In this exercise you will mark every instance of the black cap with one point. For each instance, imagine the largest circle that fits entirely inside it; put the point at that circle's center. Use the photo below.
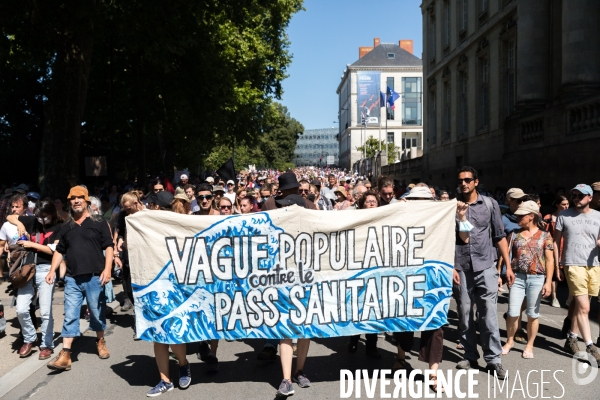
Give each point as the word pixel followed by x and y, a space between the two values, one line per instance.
pixel 162 199
pixel 316 182
pixel 291 200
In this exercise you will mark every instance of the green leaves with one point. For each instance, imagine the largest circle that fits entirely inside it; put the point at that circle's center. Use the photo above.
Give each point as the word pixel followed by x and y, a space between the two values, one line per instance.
pixel 216 64
pixel 372 148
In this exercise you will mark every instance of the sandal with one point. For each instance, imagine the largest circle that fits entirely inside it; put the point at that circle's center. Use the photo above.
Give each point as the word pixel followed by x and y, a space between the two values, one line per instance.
pixel 402 365
pixel 505 352
pixel 527 354
pixel 434 386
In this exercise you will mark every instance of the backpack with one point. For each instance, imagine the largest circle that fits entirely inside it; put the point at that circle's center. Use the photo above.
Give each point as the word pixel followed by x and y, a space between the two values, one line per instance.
pixel 21 269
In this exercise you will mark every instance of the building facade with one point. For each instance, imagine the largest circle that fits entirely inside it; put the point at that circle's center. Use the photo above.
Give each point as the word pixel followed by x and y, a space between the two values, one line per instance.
pixel 360 114
pixel 512 87
pixel 315 145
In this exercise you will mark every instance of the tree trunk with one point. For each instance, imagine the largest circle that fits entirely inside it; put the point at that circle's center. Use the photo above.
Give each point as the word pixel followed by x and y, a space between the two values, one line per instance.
pixel 59 156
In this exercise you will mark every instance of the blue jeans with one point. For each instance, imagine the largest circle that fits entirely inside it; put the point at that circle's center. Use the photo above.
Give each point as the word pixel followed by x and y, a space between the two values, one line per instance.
pixel 76 288
pixel 25 296
pixel 529 286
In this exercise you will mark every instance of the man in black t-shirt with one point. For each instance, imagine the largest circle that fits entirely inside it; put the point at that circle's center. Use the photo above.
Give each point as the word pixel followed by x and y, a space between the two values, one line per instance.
pixel 83 238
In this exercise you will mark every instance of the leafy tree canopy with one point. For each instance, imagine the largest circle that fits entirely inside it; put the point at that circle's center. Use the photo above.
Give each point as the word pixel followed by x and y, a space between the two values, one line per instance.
pixel 183 77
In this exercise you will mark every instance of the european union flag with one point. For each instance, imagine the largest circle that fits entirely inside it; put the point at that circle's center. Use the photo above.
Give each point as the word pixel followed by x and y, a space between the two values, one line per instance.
pixel 392 97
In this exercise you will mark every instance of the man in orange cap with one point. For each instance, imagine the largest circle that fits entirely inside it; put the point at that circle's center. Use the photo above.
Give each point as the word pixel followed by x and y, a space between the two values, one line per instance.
pixel 86 242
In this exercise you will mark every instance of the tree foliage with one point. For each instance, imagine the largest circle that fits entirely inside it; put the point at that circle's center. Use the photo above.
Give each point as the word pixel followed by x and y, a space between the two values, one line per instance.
pixel 372 149
pixel 183 77
pixel 274 148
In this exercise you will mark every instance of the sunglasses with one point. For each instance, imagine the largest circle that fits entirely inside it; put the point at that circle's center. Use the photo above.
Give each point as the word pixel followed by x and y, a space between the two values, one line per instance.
pixel 303 190
pixel 466 180
pixel 206 197
pixel 517 200
pixel 577 195
pixel 225 207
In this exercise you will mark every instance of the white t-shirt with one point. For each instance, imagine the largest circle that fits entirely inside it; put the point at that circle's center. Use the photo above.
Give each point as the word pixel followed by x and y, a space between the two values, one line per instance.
pixel 230 196
pixel 9 233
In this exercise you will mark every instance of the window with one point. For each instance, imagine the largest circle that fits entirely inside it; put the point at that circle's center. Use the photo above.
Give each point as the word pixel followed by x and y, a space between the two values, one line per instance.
pixel 483 10
pixel 447 119
pixel 391 56
pixel 409 142
pixel 462 13
pixel 510 76
pixel 432 118
pixel 390 137
pixel 446 28
pixel 484 94
pixel 431 38
pixel 411 101
pixel 463 121
pixel 390 112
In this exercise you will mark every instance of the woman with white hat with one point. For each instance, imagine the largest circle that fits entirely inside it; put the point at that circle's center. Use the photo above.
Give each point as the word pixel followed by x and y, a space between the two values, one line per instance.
pixel 533 264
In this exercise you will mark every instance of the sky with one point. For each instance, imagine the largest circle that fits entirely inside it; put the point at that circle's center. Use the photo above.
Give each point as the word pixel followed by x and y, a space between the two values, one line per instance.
pixel 326 36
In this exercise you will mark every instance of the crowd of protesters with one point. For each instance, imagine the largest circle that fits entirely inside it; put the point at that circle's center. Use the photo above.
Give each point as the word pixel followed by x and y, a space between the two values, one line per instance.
pixel 527 241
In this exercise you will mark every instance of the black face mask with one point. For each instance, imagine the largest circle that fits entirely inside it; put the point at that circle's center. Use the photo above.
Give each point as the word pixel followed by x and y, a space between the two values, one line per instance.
pixel 311 197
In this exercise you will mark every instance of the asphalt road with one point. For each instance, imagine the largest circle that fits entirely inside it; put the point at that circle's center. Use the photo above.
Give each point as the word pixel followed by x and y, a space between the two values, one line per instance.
pixel 131 370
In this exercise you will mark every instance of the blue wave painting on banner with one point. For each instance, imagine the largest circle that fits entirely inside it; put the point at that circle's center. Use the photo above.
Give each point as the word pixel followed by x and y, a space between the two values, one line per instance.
pixel 251 276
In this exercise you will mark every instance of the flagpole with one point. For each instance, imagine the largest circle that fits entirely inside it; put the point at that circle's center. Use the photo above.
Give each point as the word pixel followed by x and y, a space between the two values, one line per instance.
pixel 379 90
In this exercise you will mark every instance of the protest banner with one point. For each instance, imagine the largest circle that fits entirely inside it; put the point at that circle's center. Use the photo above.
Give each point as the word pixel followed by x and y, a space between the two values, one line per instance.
pixel 291 272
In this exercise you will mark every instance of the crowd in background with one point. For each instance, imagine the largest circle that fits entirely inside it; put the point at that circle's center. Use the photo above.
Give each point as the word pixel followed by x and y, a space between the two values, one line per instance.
pixel 523 240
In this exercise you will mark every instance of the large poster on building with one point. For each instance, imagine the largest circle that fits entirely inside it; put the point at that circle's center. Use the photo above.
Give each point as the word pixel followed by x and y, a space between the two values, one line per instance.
pixel 368 94
pixel 291 272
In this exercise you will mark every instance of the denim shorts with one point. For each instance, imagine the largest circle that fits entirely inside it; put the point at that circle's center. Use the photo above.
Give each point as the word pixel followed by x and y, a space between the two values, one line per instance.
pixel 526 285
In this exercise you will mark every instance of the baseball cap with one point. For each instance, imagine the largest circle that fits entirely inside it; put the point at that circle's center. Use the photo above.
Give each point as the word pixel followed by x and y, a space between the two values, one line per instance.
pixel 34 195
pixel 183 176
pixel 210 179
pixel 583 188
pixel 316 182
pixel 230 182
pixel 218 188
pixel 515 193
pixel 527 207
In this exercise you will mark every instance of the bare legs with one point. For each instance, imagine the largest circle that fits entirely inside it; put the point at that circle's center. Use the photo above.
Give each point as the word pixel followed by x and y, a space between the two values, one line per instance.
pixel 287 353
pixel 161 354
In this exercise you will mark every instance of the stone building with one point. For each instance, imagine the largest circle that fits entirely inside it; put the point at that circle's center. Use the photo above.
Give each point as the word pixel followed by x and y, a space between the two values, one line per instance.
pixel 378 67
pixel 513 89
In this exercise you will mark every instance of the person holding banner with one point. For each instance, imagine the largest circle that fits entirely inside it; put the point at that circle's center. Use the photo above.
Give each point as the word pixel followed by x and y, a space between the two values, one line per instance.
pixel 369 199
pixel 161 350
pixel 431 346
pixel 286 346
pixel 475 273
